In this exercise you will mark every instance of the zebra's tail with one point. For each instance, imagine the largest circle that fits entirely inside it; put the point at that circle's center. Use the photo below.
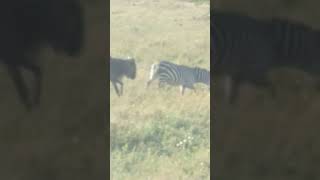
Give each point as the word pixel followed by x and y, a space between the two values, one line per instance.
pixel 153 73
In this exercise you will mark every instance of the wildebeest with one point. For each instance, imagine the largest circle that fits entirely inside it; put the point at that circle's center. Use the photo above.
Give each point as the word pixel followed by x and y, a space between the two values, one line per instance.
pixel 245 49
pixel 29 25
pixel 174 74
pixel 120 68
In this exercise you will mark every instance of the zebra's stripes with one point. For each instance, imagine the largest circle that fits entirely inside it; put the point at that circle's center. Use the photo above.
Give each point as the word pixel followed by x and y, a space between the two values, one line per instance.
pixel 246 49
pixel 120 68
pixel 243 51
pixel 174 74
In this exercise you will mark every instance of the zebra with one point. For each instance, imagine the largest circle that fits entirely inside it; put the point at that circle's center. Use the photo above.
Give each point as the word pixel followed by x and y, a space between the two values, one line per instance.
pixel 173 74
pixel 120 68
pixel 246 49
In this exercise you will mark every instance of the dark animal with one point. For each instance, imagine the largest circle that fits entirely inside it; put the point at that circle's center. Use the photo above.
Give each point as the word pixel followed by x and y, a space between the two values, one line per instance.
pixel 174 74
pixel 245 49
pixel 120 68
pixel 29 25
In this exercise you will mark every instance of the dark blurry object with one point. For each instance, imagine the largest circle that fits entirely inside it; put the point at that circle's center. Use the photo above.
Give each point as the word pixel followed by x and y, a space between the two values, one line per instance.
pixel 65 137
pixel 29 25
pixel 264 140
pixel 242 51
pixel 246 49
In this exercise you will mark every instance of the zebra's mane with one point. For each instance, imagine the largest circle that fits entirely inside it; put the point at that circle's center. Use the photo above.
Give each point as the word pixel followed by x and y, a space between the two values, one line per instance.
pixel 292 38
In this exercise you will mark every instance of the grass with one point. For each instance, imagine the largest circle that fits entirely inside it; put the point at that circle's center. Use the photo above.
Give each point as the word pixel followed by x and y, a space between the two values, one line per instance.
pixel 200 1
pixel 156 133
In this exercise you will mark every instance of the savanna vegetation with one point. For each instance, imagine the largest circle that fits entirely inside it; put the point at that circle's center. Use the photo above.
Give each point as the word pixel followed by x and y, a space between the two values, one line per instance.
pixel 156 133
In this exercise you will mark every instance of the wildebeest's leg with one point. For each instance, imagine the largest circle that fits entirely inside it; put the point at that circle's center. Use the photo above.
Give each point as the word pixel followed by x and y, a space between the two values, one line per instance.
pixel 161 84
pixel 116 88
pixel 227 88
pixel 121 87
pixel 20 85
pixel 38 80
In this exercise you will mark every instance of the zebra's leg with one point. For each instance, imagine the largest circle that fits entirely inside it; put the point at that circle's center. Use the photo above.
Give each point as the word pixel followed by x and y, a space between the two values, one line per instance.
pixel 269 86
pixel 151 79
pixel 116 88
pixel 192 88
pixel 317 85
pixel 161 84
pixel 182 88
pixel 149 82
pixel 272 90
pixel 20 85
pixel 38 80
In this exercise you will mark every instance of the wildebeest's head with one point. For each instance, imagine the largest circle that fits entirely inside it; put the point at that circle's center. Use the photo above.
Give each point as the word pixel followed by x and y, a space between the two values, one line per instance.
pixel 132 68
pixel 65 26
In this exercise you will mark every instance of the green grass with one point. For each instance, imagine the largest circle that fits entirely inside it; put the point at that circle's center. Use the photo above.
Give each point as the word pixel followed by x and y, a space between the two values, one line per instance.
pixel 156 133
pixel 200 1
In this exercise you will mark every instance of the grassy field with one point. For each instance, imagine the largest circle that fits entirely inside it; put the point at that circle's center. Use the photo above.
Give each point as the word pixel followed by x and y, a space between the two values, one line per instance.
pixel 156 133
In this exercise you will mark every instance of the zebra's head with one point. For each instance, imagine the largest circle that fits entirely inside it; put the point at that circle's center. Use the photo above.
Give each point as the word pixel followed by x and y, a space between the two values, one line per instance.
pixel 132 68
